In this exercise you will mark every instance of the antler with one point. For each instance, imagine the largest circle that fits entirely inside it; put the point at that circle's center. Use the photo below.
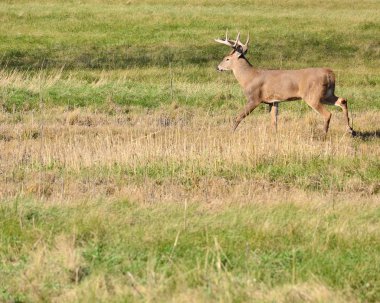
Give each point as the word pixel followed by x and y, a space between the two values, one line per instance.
pixel 237 45
pixel 226 41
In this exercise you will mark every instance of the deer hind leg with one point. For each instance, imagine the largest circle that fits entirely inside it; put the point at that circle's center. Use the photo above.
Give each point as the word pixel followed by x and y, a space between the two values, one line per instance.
pixel 248 108
pixel 342 103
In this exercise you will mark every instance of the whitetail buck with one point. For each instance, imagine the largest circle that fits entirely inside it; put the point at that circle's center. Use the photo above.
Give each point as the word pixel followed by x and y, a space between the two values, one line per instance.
pixel 314 85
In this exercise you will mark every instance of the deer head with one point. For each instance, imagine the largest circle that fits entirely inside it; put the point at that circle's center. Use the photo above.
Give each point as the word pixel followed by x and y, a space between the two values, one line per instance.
pixel 238 50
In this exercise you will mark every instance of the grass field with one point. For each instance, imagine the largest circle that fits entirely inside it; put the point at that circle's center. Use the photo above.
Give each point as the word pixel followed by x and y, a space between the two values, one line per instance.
pixel 120 178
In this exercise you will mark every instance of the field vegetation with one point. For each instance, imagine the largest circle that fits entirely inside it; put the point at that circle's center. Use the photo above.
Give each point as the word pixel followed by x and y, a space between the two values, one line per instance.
pixel 120 178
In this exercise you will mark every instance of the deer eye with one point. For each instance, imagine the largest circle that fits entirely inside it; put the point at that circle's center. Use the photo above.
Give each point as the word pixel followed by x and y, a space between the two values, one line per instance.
pixel 228 59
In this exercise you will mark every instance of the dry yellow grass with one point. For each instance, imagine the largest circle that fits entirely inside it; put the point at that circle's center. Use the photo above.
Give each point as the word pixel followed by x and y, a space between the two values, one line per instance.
pixel 175 153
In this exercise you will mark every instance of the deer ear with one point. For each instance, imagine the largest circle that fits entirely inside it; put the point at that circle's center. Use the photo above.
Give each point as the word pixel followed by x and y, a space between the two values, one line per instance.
pixel 239 54
pixel 240 51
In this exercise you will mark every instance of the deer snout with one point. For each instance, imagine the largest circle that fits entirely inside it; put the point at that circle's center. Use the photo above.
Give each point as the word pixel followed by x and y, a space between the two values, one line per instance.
pixel 219 69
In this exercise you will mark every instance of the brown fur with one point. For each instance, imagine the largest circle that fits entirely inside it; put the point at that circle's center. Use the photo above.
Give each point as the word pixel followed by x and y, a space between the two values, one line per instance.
pixel 313 85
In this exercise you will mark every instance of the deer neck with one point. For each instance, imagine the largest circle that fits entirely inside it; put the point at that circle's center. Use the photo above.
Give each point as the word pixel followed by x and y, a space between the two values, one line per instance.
pixel 243 71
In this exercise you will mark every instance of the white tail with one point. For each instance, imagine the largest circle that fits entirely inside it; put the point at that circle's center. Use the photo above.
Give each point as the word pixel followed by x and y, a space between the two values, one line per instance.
pixel 313 85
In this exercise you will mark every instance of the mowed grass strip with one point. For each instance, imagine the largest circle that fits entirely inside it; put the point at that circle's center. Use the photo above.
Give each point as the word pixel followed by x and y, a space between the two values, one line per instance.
pixel 154 87
pixel 177 251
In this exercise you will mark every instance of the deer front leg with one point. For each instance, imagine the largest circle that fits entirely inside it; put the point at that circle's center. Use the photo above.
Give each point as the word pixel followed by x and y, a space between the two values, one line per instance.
pixel 274 114
pixel 248 108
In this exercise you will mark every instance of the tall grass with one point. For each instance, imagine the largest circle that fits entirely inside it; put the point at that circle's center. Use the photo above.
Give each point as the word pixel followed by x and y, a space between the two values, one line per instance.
pixel 184 147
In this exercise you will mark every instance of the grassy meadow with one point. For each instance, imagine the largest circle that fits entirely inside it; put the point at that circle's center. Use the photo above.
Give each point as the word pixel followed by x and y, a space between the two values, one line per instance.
pixel 120 178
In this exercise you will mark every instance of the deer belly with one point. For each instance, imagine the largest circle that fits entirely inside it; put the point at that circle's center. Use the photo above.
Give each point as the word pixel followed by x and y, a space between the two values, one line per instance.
pixel 270 101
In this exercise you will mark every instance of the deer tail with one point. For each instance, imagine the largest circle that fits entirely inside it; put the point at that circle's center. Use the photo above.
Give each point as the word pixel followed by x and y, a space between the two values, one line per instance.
pixel 331 81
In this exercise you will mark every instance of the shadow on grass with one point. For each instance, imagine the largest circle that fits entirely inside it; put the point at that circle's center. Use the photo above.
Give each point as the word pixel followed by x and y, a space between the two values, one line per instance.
pixel 109 57
pixel 367 135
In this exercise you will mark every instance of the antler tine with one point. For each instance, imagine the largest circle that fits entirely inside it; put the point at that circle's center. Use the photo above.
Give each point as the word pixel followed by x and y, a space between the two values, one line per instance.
pixel 246 43
pixel 226 41
pixel 237 42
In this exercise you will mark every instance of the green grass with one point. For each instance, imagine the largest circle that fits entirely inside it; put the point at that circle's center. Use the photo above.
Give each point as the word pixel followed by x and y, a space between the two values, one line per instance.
pixel 272 245
pixel 316 174
pixel 118 35
pixel 115 35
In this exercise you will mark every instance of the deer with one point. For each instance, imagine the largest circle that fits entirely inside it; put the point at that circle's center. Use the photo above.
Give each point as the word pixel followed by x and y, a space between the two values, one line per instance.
pixel 315 86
